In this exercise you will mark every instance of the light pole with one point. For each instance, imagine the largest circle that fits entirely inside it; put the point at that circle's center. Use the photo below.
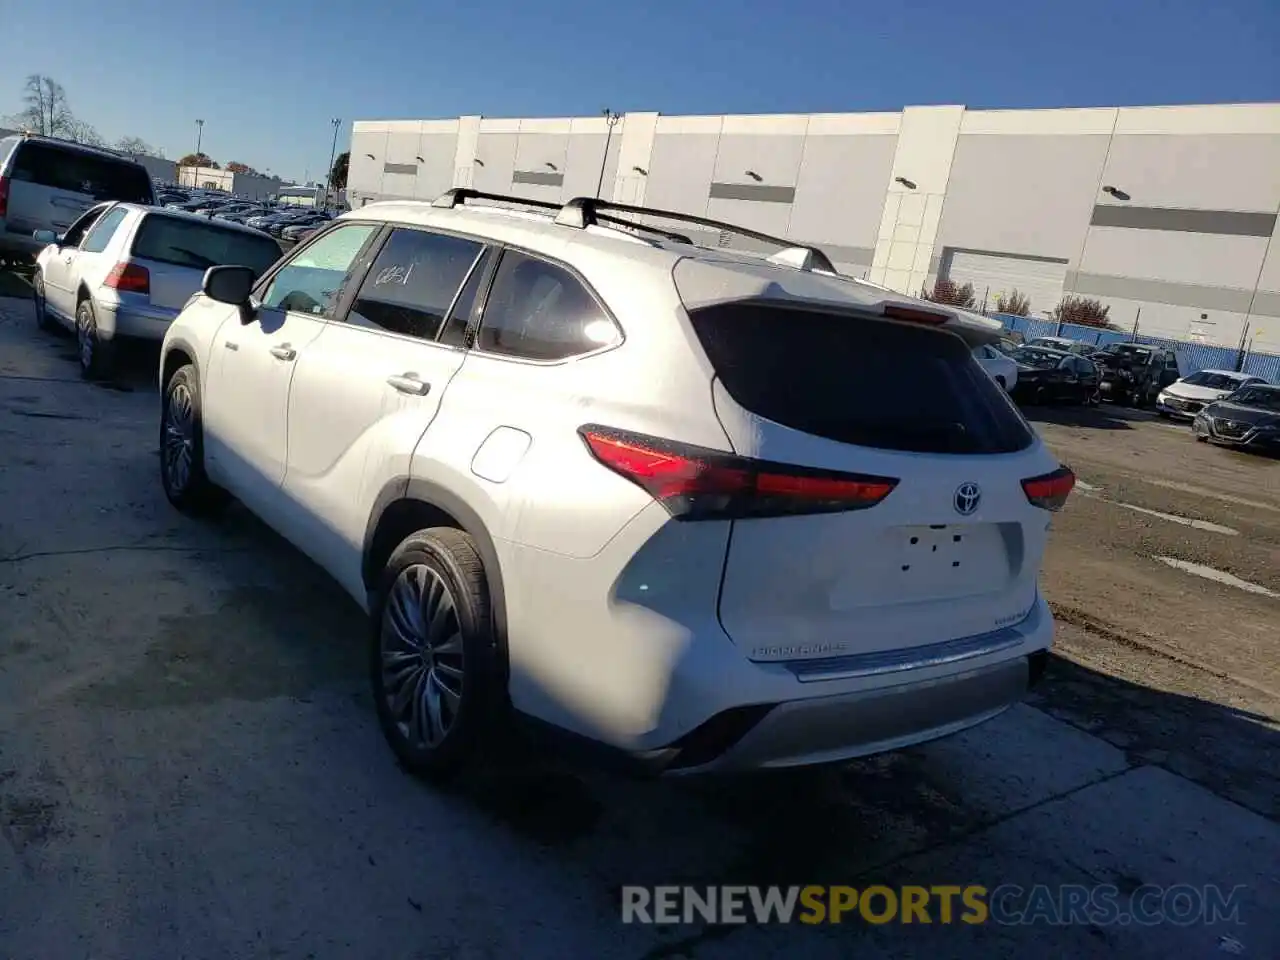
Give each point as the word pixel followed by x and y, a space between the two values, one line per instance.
pixel 199 135
pixel 333 153
pixel 611 119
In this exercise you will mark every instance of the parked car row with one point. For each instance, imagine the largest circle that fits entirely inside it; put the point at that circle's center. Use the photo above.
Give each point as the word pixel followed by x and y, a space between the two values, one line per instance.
pixel 1224 406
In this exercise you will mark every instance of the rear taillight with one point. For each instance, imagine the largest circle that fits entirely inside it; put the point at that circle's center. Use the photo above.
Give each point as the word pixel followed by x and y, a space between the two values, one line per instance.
pixel 129 278
pixel 896 311
pixel 694 483
pixel 4 196
pixel 1050 491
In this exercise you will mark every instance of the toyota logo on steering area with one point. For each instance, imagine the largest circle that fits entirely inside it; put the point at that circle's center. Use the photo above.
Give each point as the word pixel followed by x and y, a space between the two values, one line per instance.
pixel 967 498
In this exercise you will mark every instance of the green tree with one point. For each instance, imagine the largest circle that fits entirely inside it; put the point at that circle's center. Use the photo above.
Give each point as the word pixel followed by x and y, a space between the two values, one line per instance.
pixel 338 176
pixel 200 159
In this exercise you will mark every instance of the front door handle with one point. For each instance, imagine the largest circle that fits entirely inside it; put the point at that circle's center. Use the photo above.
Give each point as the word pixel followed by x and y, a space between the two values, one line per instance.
pixel 410 383
pixel 283 351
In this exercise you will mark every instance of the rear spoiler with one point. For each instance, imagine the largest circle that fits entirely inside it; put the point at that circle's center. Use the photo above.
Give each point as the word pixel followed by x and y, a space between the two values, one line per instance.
pixel 705 283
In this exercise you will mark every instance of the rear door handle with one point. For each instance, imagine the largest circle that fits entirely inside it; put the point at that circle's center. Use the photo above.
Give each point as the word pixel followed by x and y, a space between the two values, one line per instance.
pixel 410 383
pixel 283 352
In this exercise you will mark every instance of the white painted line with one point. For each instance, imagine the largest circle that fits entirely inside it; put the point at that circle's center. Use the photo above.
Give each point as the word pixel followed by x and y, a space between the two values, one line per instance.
pixel 1220 576
pixel 1174 518
pixel 1087 487
pixel 1212 494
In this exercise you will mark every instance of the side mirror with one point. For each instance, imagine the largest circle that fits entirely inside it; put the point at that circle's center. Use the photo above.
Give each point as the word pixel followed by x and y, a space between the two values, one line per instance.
pixel 47 236
pixel 228 284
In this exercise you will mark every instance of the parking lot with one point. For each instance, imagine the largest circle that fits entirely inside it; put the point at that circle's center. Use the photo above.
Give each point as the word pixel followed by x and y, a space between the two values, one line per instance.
pixel 189 763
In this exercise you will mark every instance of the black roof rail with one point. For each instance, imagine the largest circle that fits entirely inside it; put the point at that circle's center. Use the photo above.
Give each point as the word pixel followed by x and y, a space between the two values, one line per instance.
pixel 460 195
pixel 582 212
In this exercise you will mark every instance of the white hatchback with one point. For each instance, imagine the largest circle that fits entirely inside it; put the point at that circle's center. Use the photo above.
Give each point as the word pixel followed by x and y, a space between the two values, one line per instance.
pixel 710 509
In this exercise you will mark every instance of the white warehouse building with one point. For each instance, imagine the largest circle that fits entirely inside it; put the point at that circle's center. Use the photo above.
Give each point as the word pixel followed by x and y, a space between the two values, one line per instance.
pixel 1168 210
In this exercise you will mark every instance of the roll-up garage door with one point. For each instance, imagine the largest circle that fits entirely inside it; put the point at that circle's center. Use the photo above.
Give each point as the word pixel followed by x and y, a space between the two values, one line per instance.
pixel 992 273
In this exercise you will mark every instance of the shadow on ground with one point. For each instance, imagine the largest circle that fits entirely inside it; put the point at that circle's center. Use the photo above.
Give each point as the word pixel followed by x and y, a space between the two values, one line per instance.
pixel 1104 416
pixel 818 825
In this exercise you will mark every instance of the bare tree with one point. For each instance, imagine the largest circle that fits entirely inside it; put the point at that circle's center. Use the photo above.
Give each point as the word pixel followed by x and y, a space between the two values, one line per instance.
pixel 81 132
pixel 135 146
pixel 45 111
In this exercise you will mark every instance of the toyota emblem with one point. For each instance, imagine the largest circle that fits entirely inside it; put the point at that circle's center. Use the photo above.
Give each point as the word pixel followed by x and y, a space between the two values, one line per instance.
pixel 967 498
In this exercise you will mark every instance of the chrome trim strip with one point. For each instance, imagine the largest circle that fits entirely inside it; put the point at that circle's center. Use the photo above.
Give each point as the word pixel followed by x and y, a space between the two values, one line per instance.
pixel 914 658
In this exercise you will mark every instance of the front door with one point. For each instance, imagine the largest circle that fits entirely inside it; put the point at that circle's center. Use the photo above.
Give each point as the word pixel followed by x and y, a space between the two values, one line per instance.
pixel 58 266
pixel 252 364
pixel 368 388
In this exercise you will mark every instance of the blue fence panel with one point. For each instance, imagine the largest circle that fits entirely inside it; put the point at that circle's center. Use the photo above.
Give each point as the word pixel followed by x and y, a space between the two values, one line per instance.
pixel 1192 357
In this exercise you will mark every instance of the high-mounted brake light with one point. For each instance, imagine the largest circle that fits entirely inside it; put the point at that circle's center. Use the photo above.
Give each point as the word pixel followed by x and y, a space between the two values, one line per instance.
pixel 129 278
pixel 896 311
pixel 694 483
pixel 1051 490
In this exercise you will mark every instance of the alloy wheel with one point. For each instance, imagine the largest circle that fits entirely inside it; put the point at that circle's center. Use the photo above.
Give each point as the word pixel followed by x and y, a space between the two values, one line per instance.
pixel 85 343
pixel 422 656
pixel 178 445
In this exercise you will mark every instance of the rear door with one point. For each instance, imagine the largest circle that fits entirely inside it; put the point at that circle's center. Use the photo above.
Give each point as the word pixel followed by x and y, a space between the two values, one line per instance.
pixel 178 250
pixel 51 185
pixel 953 551
pixel 367 389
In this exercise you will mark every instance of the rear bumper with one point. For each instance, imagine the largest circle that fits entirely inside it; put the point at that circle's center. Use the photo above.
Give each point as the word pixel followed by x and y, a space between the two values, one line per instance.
pixel 638 666
pixel 142 321
pixel 845 726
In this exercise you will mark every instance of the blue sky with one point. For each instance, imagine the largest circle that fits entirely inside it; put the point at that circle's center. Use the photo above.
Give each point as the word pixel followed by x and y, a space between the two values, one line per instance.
pixel 266 76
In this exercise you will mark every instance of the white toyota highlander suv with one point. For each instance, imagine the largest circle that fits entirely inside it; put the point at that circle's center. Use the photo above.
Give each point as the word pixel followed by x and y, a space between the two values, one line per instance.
pixel 714 510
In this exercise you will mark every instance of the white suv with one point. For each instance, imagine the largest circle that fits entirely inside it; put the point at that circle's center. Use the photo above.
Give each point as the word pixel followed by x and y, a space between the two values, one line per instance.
pixel 714 510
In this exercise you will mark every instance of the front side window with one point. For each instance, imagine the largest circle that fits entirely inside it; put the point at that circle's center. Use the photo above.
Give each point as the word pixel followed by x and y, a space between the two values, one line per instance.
pixel 539 311
pixel 413 282
pixel 312 281
pixel 101 233
pixel 75 233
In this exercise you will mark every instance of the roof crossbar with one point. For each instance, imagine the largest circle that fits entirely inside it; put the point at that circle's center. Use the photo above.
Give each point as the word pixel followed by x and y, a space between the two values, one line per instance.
pixel 460 195
pixel 582 212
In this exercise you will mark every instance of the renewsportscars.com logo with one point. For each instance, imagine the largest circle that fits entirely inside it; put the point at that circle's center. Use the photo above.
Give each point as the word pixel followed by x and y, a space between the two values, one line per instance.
pixel 1064 904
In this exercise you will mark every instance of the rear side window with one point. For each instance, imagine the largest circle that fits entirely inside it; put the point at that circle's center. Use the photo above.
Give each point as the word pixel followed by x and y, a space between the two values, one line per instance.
pixel 101 233
pixel 200 245
pixel 539 311
pixel 413 282
pixel 875 383
pixel 76 171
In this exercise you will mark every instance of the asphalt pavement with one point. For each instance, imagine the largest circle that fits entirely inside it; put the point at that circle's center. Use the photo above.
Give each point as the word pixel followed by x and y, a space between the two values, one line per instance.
pixel 190 764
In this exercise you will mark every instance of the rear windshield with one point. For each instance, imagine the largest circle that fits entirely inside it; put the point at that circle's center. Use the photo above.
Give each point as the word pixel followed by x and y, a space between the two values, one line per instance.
pixel 875 383
pixel 76 171
pixel 202 244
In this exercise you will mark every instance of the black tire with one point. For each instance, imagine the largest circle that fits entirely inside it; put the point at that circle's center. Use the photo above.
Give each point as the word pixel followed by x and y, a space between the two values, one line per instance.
pixel 97 356
pixel 1163 414
pixel 39 302
pixel 193 492
pixel 1000 381
pixel 450 557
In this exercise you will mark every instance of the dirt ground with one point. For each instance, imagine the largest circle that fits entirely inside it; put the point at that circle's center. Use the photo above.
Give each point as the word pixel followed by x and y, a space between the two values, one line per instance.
pixel 190 767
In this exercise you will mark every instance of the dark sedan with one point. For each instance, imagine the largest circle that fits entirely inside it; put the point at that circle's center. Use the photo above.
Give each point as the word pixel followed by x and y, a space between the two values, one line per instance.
pixel 1248 418
pixel 1054 376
